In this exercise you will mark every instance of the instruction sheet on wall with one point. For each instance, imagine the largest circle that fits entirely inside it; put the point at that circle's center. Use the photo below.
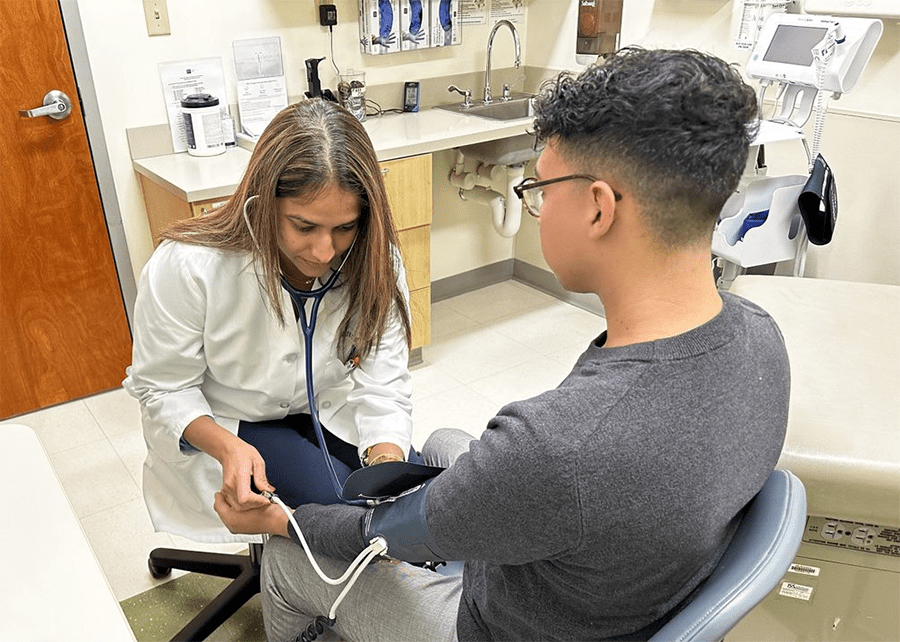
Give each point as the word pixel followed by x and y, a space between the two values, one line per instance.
pixel 261 88
pixel 183 78
pixel 748 17
pixel 512 10
pixel 473 12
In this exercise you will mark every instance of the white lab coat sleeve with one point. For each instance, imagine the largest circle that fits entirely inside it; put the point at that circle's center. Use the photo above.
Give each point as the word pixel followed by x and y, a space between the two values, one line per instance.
pixel 382 385
pixel 168 359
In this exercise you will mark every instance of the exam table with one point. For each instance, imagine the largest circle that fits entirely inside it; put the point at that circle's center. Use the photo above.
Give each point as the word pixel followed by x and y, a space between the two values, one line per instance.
pixel 843 442
pixel 53 586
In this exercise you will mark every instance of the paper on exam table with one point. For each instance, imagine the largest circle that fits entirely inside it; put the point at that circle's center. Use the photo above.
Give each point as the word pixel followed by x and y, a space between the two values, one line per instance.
pixel 843 431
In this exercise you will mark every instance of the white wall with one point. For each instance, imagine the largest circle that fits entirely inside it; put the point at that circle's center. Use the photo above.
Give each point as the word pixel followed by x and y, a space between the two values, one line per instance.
pixel 861 139
pixel 124 63
pixel 862 149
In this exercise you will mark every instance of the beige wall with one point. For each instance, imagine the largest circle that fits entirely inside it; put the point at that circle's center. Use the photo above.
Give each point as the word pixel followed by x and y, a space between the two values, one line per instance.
pixel 862 147
pixel 861 138
pixel 124 63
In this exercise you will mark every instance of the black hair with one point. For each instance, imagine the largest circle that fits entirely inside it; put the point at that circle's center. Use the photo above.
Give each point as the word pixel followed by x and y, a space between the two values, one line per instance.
pixel 672 126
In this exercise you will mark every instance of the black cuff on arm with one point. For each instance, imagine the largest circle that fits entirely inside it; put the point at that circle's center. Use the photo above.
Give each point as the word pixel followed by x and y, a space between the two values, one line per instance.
pixel 334 531
pixel 402 523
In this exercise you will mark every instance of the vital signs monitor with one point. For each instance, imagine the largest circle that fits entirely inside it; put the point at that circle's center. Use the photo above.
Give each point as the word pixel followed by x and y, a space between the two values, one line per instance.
pixel 823 52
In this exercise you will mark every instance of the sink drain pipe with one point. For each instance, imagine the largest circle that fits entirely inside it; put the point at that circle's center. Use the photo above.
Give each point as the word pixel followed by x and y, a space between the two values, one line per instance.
pixel 492 186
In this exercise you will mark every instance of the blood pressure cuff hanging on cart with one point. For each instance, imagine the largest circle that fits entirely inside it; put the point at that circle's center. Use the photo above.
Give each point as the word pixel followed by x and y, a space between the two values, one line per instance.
pixel 401 521
pixel 818 203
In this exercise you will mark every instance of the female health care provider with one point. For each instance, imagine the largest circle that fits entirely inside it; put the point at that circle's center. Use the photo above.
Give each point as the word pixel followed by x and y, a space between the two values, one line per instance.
pixel 219 361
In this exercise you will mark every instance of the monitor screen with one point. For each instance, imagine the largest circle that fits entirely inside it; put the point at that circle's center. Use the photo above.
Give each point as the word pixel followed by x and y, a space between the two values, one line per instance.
pixel 792 44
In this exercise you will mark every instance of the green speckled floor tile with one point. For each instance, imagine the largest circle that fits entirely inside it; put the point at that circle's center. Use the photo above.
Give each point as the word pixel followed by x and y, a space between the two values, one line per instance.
pixel 159 613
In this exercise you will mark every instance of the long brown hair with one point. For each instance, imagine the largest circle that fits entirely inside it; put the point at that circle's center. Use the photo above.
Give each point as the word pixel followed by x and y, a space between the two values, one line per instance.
pixel 306 148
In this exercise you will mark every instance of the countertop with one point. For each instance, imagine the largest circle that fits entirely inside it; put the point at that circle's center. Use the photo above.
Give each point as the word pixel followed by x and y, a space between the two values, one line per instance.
pixel 194 178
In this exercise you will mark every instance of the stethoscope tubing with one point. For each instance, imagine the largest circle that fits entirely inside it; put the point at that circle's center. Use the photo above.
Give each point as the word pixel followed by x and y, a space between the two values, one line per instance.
pixel 308 328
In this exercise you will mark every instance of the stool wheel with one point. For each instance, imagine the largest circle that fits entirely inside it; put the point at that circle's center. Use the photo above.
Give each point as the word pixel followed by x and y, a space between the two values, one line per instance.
pixel 158 572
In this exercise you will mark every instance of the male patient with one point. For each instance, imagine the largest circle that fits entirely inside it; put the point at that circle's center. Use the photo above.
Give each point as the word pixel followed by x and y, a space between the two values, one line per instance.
pixel 594 510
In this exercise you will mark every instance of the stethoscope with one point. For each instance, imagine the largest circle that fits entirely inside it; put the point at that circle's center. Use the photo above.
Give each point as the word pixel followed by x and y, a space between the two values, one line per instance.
pixel 308 328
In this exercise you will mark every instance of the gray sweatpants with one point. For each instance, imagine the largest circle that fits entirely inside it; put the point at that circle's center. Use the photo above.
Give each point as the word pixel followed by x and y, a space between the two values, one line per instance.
pixel 390 601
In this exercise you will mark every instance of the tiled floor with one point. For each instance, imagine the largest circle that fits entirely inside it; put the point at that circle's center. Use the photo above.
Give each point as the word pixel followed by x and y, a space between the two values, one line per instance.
pixel 489 347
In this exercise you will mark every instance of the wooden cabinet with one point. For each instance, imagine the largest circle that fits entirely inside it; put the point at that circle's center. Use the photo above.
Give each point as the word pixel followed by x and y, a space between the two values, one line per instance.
pixel 408 184
pixel 164 208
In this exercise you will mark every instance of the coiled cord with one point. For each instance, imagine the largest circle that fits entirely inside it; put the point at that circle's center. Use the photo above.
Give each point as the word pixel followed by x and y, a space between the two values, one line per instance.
pixel 822 53
pixel 378 546
pixel 313 630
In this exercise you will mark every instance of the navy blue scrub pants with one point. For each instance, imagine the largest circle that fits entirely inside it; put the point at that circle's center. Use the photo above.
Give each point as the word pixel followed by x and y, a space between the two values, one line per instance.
pixel 294 462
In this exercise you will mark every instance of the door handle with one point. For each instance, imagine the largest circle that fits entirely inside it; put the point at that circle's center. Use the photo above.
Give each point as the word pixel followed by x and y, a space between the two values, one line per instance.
pixel 56 105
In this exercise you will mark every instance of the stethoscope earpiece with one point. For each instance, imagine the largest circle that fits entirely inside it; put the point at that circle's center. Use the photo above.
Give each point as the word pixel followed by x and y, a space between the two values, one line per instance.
pixel 249 200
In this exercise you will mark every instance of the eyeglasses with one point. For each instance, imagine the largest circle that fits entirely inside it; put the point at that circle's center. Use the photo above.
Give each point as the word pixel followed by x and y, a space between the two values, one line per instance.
pixel 531 191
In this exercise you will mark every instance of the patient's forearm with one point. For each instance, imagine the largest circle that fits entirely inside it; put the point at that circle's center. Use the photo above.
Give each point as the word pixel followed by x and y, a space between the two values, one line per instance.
pixel 334 531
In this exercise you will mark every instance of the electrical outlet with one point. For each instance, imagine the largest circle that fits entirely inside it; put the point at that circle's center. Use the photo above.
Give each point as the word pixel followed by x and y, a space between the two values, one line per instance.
pixel 157 16
pixel 842 533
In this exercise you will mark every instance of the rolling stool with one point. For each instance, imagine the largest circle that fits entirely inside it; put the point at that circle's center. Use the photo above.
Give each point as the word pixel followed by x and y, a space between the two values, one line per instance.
pixel 243 569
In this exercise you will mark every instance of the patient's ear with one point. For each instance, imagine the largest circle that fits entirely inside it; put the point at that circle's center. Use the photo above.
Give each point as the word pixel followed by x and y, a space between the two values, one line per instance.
pixel 605 203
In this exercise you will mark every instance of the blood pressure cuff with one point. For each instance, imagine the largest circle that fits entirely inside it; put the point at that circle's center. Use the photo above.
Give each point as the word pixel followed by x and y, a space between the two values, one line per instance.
pixel 818 203
pixel 401 521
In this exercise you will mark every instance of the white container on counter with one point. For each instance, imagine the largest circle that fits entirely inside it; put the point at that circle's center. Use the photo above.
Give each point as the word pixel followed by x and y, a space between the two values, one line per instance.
pixel 203 125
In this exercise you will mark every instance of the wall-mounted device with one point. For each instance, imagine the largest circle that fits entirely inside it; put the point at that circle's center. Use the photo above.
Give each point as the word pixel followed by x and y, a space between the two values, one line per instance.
pixel 786 50
pixel 864 8
pixel 411 96
pixel 599 24
pixel 327 15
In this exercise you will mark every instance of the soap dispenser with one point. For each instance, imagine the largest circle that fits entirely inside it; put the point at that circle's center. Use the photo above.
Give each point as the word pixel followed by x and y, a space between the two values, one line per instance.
pixel 599 24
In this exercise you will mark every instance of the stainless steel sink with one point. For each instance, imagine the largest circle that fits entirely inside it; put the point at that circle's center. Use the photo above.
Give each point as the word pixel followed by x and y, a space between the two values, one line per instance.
pixel 518 106
pixel 504 151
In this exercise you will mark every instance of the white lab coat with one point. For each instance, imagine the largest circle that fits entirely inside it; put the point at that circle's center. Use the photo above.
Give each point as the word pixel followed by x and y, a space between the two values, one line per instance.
pixel 207 343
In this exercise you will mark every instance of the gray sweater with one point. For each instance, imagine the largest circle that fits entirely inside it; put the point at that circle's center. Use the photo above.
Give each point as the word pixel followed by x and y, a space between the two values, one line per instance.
pixel 595 509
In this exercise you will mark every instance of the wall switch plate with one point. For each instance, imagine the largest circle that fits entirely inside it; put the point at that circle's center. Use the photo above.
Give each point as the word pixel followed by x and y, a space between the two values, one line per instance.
pixel 157 16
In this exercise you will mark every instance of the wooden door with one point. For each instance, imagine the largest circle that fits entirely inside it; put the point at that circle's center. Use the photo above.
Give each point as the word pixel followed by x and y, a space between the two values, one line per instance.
pixel 63 329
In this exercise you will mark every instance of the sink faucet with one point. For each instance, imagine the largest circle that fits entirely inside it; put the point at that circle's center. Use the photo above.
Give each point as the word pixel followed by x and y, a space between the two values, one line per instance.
pixel 465 93
pixel 488 98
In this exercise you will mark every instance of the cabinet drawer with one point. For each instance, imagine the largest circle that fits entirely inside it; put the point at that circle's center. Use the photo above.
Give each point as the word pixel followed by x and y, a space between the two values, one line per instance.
pixel 408 184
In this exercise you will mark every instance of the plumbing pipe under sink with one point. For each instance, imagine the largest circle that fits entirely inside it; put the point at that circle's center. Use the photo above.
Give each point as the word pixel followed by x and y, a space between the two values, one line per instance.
pixel 492 186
